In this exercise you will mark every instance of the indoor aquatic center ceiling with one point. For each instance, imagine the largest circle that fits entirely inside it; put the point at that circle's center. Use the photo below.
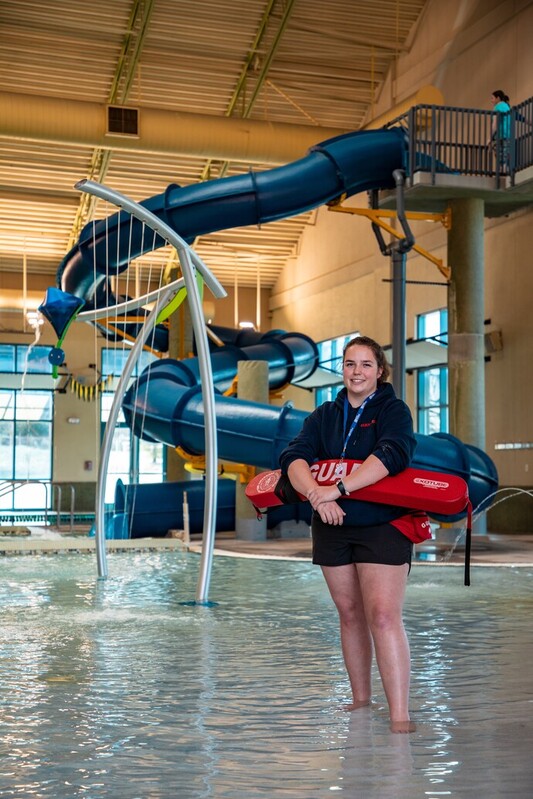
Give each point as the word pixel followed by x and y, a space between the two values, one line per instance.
pixel 315 64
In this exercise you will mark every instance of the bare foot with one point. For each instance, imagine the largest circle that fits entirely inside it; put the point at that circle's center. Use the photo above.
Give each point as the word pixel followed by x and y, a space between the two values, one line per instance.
pixel 356 705
pixel 402 726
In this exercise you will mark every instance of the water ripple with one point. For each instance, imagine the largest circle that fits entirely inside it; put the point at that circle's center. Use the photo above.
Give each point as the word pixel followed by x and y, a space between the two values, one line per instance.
pixel 119 690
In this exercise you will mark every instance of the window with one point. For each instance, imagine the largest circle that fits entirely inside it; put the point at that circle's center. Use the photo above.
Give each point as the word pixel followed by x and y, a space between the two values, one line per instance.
pixel 433 400
pixel 120 456
pixel 23 358
pixel 330 358
pixel 33 359
pixel 131 459
pixel 114 360
pixel 432 383
pixel 433 325
pixel 26 447
pixel 7 358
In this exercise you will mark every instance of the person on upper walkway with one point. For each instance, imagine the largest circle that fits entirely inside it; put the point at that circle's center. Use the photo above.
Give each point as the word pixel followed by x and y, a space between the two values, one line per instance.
pixel 501 127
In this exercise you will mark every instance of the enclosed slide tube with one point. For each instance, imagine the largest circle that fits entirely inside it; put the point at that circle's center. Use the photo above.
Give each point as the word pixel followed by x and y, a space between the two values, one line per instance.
pixel 338 167
pixel 151 509
pixel 161 407
pixel 291 358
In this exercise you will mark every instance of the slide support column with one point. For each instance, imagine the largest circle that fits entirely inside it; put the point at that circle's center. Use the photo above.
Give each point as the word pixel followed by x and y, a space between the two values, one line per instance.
pixel 253 387
pixel 466 302
pixel 466 343
pixel 399 259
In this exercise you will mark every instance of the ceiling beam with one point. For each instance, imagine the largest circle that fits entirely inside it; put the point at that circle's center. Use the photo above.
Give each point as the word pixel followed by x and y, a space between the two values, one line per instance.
pixel 37 195
pixel 73 122
pixel 124 74
pixel 78 123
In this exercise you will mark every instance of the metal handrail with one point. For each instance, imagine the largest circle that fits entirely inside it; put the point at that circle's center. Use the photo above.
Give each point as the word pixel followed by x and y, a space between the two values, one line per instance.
pixel 10 486
pixel 450 139
pixel 57 491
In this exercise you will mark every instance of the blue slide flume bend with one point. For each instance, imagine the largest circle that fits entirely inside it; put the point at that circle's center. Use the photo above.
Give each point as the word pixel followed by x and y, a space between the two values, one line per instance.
pixel 166 403
pixel 339 167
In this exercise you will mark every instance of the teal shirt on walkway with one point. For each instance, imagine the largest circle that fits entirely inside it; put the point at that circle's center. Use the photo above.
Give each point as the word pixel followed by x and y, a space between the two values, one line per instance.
pixel 503 110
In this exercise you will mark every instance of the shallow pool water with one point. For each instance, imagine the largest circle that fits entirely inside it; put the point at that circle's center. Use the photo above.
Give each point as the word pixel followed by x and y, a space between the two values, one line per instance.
pixel 116 689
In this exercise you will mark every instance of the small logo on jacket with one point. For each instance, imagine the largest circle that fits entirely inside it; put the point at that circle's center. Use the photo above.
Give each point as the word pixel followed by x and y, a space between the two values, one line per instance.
pixel 368 424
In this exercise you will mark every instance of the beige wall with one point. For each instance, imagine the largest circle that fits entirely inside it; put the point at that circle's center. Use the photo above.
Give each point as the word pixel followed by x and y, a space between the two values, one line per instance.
pixel 74 444
pixel 224 310
pixel 335 284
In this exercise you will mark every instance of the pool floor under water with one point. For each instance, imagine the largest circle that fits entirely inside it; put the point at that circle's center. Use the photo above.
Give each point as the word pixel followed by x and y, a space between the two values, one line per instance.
pixel 116 689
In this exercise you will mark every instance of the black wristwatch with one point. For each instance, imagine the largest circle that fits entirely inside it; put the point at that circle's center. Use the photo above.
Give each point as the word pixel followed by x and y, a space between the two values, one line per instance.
pixel 342 488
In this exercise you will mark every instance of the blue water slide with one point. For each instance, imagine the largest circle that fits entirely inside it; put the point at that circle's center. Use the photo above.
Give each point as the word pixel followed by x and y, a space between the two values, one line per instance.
pixel 161 406
pixel 166 404
pixel 338 167
pixel 240 337
pixel 291 358
pixel 151 509
pixel 134 515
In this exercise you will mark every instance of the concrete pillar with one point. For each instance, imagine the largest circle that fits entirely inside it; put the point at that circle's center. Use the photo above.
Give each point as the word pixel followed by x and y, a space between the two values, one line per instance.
pixel 466 304
pixel 253 387
pixel 466 314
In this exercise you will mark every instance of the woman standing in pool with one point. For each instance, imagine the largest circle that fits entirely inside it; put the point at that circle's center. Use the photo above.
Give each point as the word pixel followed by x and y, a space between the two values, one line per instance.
pixel 364 557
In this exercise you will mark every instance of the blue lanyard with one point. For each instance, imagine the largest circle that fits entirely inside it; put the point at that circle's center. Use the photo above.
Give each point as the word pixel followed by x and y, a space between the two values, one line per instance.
pixel 355 421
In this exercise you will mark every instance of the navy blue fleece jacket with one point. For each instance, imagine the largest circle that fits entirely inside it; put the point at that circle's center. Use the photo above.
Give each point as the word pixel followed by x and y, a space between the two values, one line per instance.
pixel 385 430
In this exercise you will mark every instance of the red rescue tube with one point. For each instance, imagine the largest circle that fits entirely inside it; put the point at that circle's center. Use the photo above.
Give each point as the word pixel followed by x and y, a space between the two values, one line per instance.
pixel 415 489
pixel 419 489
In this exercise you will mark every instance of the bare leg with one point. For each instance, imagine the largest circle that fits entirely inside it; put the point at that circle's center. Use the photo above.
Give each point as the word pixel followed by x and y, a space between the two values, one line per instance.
pixel 343 584
pixel 383 590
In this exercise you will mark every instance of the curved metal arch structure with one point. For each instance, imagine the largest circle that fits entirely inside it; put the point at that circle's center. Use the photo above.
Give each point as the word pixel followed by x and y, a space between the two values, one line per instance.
pixel 189 262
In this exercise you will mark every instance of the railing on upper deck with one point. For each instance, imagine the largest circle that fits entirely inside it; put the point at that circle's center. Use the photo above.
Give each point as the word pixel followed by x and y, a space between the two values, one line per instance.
pixel 466 141
pixel 522 132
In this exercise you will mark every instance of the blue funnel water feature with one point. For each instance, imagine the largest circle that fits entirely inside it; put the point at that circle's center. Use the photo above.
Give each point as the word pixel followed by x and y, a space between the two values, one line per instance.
pixel 61 309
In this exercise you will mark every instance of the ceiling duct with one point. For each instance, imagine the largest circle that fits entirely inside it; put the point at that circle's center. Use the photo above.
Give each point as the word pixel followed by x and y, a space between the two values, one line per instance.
pixel 74 122
pixel 122 121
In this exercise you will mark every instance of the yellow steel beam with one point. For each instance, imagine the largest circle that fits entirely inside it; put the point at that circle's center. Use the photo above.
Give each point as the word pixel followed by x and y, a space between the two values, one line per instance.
pixel 375 214
pixel 232 390
pixel 276 393
pixel 196 463
pixel 127 337
pixel 241 471
pixel 263 54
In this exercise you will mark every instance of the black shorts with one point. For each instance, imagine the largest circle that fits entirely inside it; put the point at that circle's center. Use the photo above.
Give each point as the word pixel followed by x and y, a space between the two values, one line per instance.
pixel 339 546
